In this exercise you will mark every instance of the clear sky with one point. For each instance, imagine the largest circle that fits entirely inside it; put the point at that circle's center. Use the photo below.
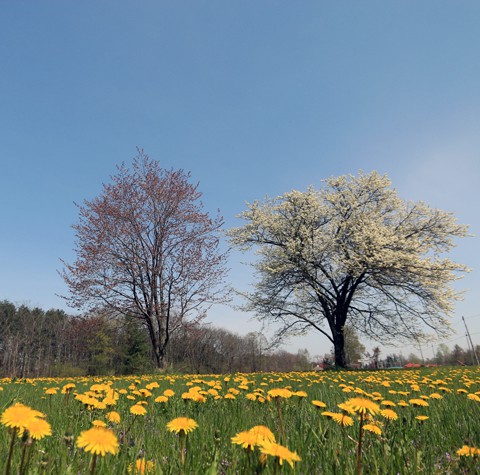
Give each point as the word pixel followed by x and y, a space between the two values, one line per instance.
pixel 252 97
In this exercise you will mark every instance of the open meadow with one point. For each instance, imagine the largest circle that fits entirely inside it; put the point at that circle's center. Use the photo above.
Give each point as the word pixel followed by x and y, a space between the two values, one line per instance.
pixel 378 422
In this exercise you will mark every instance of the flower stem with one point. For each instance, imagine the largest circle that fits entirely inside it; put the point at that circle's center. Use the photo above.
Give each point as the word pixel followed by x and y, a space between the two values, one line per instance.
pixel 279 412
pixel 359 448
pixel 94 463
pixel 275 466
pixel 183 440
pixel 21 470
pixel 29 456
pixel 10 452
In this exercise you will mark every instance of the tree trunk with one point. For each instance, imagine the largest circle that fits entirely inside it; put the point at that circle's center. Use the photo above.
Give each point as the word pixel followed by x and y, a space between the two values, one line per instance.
pixel 160 357
pixel 159 350
pixel 155 331
pixel 339 348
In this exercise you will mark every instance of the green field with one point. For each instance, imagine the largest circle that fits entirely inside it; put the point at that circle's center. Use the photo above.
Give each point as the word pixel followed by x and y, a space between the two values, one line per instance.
pixel 325 439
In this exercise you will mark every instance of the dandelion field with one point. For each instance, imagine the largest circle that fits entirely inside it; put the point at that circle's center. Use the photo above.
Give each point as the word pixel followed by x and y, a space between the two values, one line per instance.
pixel 378 422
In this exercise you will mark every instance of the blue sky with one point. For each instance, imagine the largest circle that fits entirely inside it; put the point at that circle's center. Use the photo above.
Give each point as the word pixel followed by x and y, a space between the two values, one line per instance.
pixel 251 97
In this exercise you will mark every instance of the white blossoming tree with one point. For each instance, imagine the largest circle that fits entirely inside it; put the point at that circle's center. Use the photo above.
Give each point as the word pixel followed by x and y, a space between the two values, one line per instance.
pixel 354 252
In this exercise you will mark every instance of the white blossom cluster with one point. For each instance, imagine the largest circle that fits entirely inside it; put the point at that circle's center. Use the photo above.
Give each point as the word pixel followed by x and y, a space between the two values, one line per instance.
pixel 352 250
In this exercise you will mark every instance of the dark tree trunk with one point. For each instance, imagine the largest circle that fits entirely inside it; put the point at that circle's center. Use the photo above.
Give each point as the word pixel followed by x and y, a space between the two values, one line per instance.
pixel 158 343
pixel 339 348
pixel 160 359
pixel 159 350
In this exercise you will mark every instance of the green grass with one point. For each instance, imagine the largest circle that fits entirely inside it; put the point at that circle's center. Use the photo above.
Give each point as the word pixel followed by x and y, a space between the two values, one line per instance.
pixel 406 445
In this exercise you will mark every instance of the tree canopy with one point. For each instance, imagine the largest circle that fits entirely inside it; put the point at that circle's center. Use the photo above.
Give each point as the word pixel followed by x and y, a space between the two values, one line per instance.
pixel 353 251
pixel 146 249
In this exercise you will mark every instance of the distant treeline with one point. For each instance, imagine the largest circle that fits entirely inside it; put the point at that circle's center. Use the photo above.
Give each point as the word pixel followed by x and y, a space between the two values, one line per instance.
pixel 35 343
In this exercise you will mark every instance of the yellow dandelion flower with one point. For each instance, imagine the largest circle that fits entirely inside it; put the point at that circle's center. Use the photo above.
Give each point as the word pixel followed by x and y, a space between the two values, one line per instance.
pixel 197 397
pixel 138 410
pixel 229 396
pixel 317 403
pixel 141 466
pixel 193 396
pixel 98 441
pixel 67 388
pixel 328 414
pixel 152 386
pixel 342 419
pixel 169 393
pixel 467 451
pixel 363 405
pixel 251 396
pixel 473 397
pixel 113 417
pixel 436 396
pixel 161 399
pixel 248 440
pixel 18 416
pixel 280 452
pixel 99 404
pixel 81 397
pixel 98 423
pixel 422 418
pixel 109 401
pixel 418 402
pixel 99 387
pixel 345 407
pixel 263 433
pixel 51 391
pixel 38 428
pixel 300 394
pixel 373 428
pixel 389 414
pixel 187 395
pixel 402 403
pixel 279 392
pixel 182 425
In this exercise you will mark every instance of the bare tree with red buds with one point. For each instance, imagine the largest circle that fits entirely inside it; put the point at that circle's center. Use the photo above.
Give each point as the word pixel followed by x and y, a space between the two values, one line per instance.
pixel 147 249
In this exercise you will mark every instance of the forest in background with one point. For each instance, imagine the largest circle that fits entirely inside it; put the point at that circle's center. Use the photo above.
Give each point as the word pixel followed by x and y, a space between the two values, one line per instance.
pixel 38 343
pixel 35 343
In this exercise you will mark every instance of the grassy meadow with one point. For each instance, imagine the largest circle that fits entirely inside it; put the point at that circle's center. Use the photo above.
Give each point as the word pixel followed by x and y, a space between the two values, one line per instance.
pixel 376 422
